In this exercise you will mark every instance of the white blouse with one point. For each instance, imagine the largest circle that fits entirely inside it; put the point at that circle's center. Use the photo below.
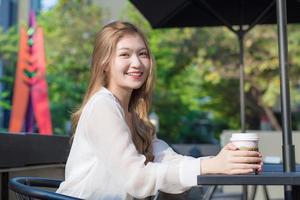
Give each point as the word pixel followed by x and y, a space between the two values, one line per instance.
pixel 104 164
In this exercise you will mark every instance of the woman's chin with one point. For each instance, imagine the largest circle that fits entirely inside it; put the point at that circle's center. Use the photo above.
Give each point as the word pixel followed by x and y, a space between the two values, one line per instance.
pixel 136 87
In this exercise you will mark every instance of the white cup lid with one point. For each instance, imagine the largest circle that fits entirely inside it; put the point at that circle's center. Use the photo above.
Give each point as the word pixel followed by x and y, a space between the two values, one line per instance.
pixel 244 136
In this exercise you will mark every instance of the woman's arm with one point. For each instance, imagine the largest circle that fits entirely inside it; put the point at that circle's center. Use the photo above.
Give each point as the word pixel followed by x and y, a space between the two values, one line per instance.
pixel 164 153
pixel 228 161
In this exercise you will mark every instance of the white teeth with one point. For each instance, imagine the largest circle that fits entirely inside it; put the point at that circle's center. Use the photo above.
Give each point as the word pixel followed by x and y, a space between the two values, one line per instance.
pixel 135 74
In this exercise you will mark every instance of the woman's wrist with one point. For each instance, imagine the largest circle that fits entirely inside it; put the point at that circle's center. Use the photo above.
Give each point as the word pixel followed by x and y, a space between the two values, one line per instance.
pixel 208 166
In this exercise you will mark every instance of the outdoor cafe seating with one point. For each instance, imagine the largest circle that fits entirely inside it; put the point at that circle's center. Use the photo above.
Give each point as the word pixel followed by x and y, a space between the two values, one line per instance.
pixel 27 188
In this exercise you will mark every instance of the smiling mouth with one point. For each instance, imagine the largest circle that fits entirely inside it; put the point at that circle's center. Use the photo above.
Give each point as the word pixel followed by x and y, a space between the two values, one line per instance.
pixel 135 74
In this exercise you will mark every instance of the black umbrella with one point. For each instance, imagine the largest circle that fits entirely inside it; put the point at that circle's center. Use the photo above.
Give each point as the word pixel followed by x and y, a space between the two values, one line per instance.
pixel 197 13
pixel 240 16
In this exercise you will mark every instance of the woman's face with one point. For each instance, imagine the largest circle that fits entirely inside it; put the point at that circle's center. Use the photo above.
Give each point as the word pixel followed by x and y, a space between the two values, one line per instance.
pixel 130 65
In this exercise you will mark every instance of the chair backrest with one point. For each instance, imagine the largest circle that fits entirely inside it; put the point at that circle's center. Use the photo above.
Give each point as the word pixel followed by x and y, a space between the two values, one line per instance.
pixel 29 188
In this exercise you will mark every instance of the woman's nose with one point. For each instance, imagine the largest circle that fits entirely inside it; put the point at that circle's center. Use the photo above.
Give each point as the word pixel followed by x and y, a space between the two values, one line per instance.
pixel 135 61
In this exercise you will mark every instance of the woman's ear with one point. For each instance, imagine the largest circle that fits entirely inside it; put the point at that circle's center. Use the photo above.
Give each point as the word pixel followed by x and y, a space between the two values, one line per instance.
pixel 105 69
pixel 106 73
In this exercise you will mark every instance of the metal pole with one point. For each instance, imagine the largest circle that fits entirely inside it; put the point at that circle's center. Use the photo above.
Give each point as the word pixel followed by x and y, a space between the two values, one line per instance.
pixel 1 90
pixel 4 187
pixel 288 149
pixel 241 35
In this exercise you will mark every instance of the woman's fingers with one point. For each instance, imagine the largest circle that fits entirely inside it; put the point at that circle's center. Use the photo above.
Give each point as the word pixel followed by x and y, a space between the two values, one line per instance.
pixel 244 168
pixel 246 159
pixel 241 153
pixel 261 166
pixel 241 171
pixel 230 147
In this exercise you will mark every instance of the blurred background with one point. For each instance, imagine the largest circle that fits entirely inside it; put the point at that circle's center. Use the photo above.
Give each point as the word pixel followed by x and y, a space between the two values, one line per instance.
pixel 196 98
pixel 196 93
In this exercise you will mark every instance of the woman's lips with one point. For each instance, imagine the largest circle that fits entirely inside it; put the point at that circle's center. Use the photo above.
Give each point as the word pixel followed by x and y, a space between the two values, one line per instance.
pixel 135 75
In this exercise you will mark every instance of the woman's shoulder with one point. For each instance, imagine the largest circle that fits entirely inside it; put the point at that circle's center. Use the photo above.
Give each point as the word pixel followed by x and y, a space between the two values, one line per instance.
pixel 103 99
pixel 103 94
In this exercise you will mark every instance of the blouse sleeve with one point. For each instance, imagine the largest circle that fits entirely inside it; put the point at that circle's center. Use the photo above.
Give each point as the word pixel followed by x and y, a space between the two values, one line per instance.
pixel 187 172
pixel 110 139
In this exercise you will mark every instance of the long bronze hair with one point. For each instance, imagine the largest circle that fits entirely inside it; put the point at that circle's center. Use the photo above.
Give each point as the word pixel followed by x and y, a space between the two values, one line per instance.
pixel 139 104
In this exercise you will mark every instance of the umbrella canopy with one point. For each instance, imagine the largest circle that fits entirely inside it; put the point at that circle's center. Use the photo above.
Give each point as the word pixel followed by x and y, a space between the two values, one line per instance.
pixel 240 16
pixel 198 13
pixel 245 14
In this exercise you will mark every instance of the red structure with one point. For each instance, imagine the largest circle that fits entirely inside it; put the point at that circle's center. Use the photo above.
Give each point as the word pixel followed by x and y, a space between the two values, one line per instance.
pixel 30 106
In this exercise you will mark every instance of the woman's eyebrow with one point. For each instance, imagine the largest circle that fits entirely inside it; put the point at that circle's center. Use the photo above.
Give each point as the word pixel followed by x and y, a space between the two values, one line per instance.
pixel 126 48
pixel 143 48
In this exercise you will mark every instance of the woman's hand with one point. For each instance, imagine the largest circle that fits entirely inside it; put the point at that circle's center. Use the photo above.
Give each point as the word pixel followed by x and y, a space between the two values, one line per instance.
pixel 231 160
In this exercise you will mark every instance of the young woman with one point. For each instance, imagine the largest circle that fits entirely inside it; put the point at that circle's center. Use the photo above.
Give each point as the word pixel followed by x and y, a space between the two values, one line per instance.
pixel 115 153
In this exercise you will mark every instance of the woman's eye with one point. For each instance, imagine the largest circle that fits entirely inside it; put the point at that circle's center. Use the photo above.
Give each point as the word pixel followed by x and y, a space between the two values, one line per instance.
pixel 124 54
pixel 144 54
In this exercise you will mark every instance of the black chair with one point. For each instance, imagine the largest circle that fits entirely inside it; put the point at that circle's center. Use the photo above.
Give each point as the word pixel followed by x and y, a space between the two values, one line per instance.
pixel 29 188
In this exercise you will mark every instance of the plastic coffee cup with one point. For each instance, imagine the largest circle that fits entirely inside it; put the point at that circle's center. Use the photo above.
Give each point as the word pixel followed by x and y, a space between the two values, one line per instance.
pixel 245 141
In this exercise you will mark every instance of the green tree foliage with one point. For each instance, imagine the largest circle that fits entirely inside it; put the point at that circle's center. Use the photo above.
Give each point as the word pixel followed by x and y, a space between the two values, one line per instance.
pixel 69 34
pixel 261 70
pixel 178 92
pixel 197 84
pixel 213 55
pixel 70 29
pixel 8 56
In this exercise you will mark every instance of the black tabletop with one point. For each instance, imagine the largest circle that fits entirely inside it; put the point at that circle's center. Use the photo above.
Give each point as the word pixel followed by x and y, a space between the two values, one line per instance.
pixel 271 175
pixel 265 178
